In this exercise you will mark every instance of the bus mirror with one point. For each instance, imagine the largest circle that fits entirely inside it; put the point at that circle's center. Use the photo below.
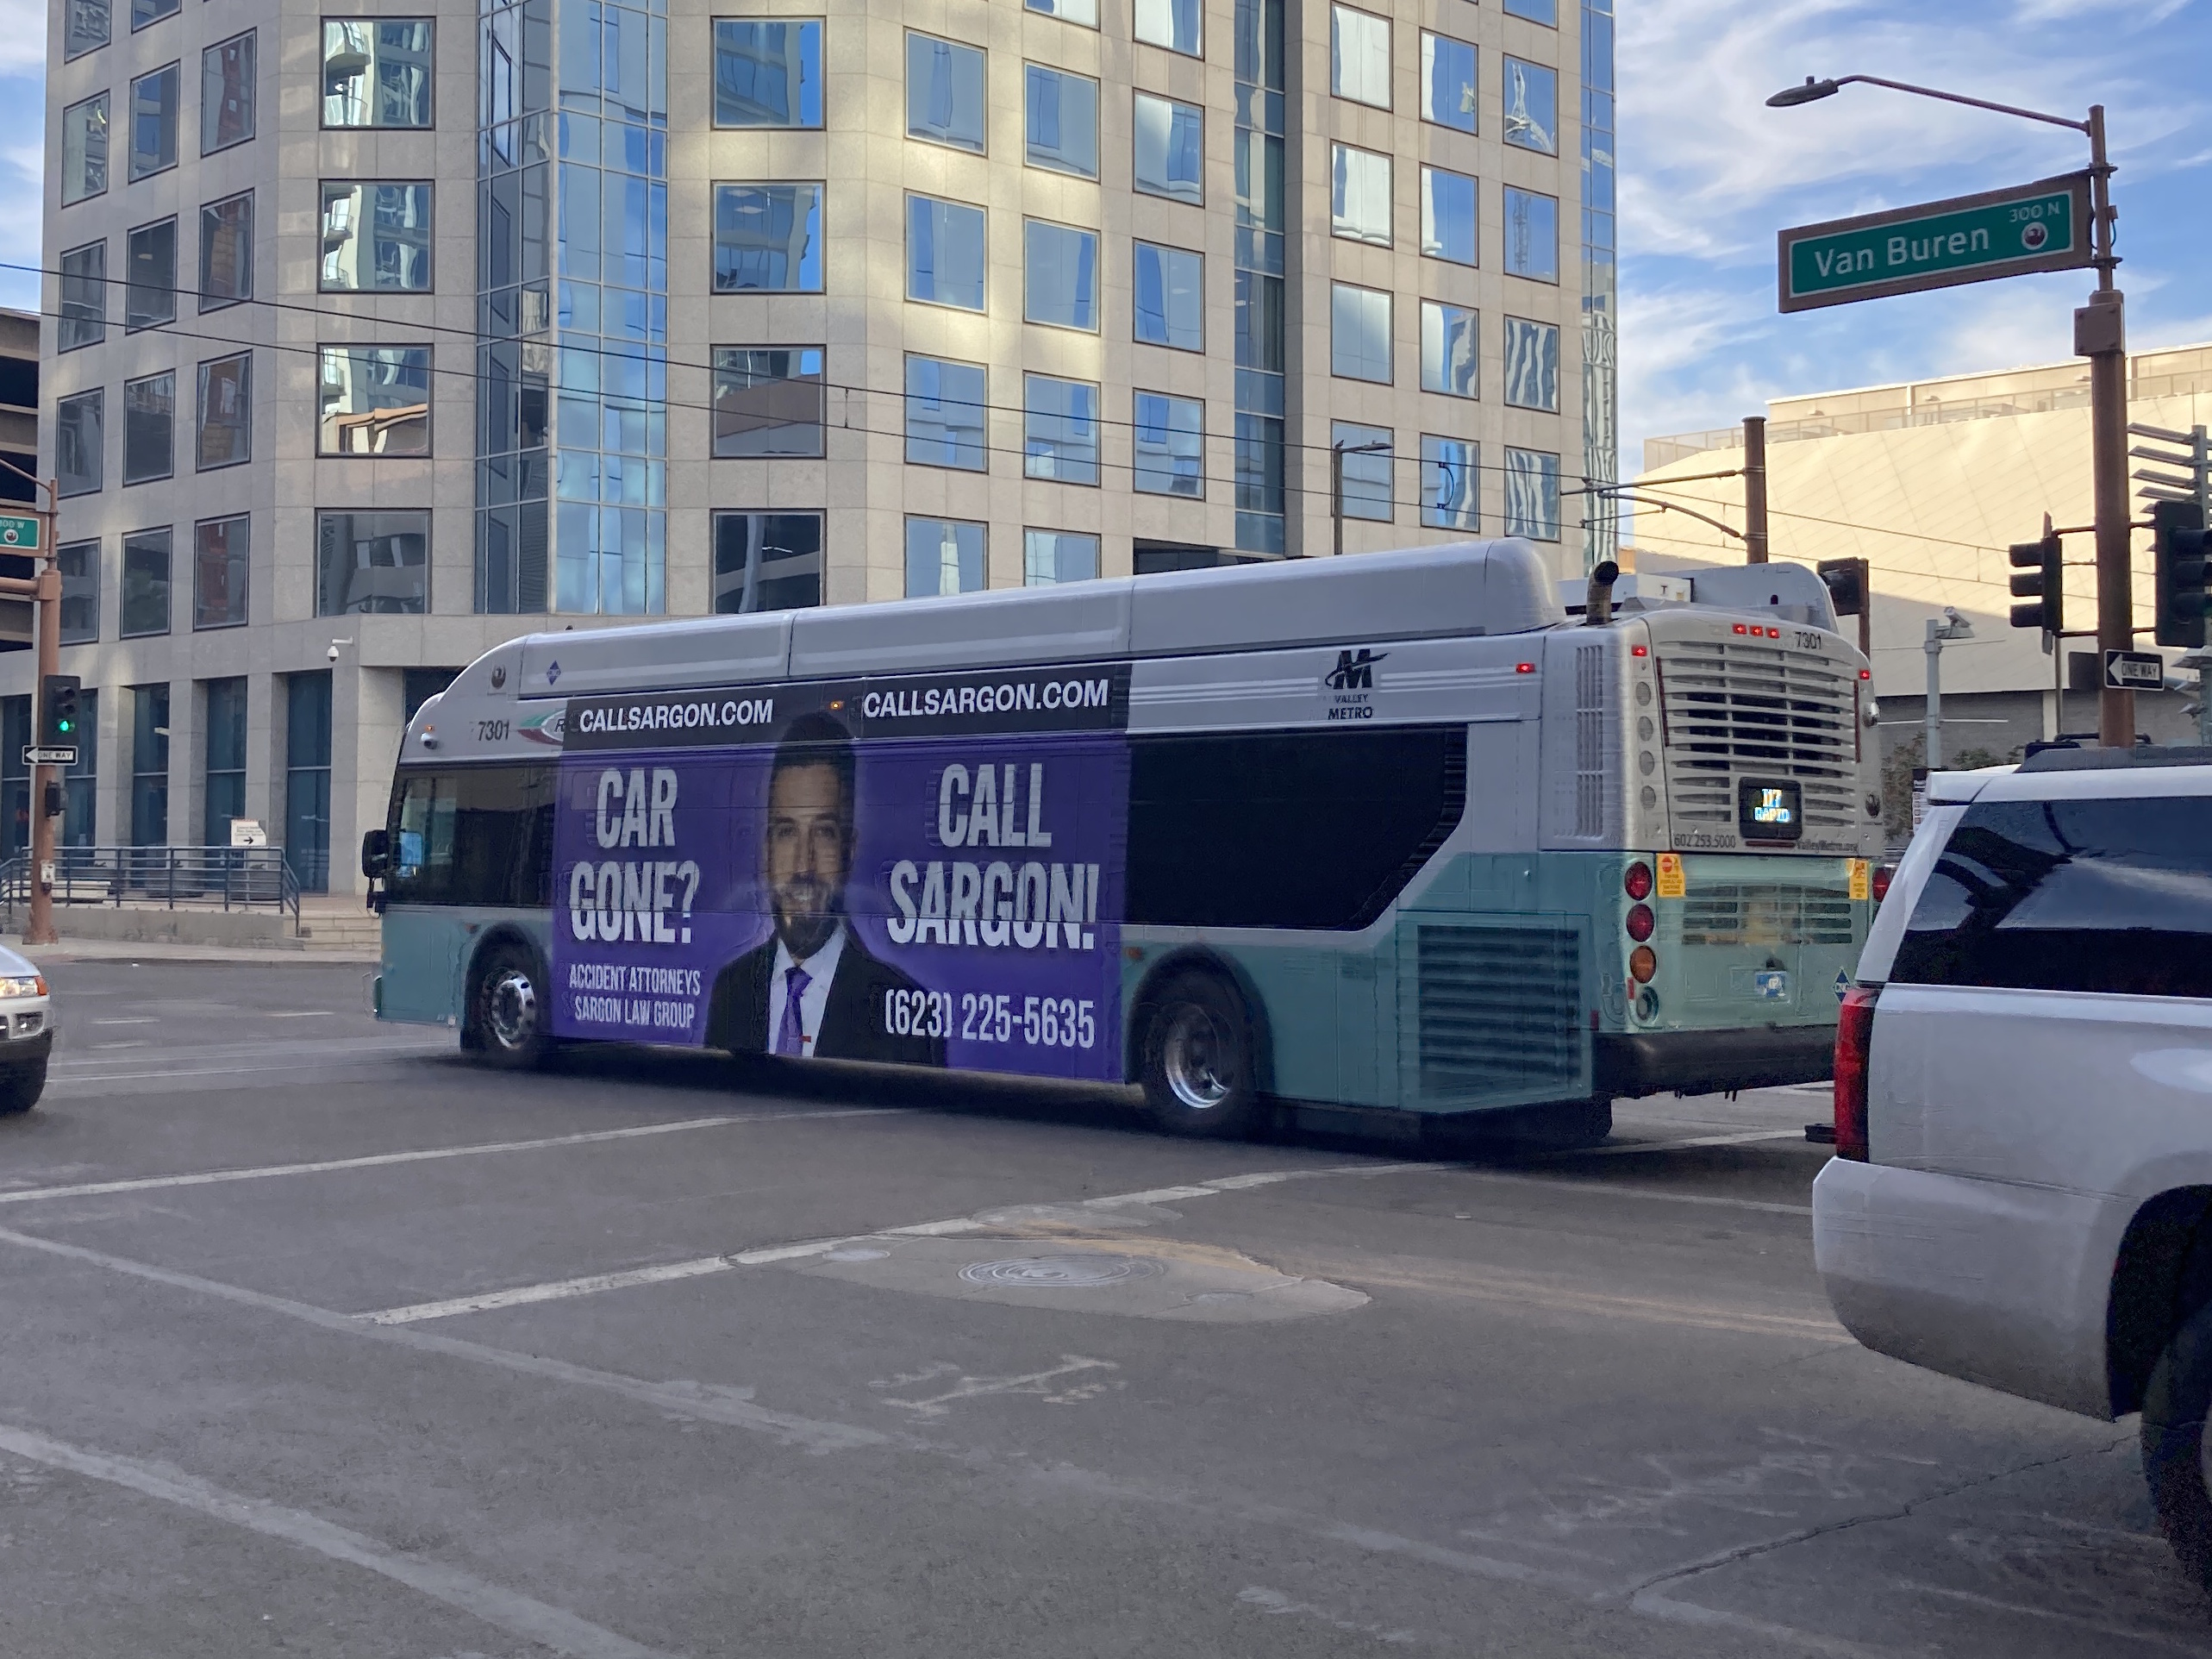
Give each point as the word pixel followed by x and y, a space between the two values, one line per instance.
pixel 375 855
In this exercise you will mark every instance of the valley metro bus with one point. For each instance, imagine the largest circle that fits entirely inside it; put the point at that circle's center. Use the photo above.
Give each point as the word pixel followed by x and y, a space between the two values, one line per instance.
pixel 1393 832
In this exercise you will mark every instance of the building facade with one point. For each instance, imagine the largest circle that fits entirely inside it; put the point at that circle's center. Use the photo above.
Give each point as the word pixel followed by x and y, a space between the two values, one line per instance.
pixel 376 339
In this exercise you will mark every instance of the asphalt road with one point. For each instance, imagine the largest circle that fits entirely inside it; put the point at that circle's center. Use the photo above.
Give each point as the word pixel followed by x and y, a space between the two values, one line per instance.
pixel 316 1339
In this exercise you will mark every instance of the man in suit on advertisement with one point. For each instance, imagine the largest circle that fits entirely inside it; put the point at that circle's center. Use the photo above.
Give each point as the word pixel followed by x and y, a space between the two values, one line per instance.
pixel 812 990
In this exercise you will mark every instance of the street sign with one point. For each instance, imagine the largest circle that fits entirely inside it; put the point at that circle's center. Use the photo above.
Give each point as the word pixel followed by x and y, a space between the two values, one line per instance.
pixel 2040 227
pixel 2134 671
pixel 19 533
pixel 63 756
pixel 248 832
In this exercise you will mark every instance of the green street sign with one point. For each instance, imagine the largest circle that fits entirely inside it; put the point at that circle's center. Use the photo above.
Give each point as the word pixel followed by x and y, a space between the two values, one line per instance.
pixel 2040 227
pixel 19 533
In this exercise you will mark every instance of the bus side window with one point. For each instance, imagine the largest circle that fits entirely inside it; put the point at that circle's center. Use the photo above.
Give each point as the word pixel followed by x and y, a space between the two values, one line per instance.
pixel 423 856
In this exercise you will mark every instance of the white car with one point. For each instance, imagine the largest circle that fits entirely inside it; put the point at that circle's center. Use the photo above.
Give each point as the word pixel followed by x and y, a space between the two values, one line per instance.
pixel 26 1033
pixel 2022 1193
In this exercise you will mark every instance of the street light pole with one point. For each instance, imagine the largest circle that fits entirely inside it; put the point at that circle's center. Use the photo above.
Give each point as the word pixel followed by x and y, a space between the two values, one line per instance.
pixel 44 591
pixel 1337 452
pixel 1950 626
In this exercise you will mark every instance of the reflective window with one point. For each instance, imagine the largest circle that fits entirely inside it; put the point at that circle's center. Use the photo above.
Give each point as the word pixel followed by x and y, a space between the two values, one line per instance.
pixel 1447 81
pixel 219 572
pixel 145 584
pixel 1532 494
pixel 227 93
pixel 1366 469
pixel 1172 23
pixel 1059 275
pixel 1059 429
pixel 223 784
pixel 1450 483
pixel 1360 56
pixel 79 562
pixel 767 72
pixel 150 275
pixel 85 25
pixel 1359 195
pixel 1536 11
pixel 376 562
pixel 1170 298
pixel 225 422
pixel 1084 12
pixel 149 735
pixel 1171 148
pixel 1531 106
pixel 83 297
pixel 767 239
pixel 1449 362
pixel 768 401
pixel 378 71
pixel 945 414
pixel 1532 234
pixel 1447 215
pixel 766 561
pixel 1532 364
pixel 80 442
pixel 143 12
pixel 84 149
pixel 1359 332
pixel 944 555
pixel 1171 446
pixel 154 122
pixel 1061 111
pixel 150 427
pixel 375 400
pixel 944 93
pixel 1051 557
pixel 945 252
pixel 376 236
pixel 227 252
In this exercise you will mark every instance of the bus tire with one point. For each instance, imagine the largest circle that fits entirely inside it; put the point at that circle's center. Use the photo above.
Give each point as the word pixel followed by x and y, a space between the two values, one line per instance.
pixel 2176 1401
pixel 507 1010
pixel 1199 1064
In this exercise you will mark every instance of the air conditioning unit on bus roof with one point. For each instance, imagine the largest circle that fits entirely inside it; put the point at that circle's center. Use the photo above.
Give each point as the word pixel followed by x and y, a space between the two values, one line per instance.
pixel 1789 592
pixel 1632 591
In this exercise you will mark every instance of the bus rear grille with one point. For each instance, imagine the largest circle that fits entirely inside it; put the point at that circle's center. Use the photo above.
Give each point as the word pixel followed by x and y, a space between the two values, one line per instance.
pixel 1499 1009
pixel 1759 916
pixel 1740 711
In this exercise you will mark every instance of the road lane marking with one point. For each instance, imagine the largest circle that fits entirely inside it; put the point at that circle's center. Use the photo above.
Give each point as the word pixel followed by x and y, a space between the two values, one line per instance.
pixel 1626 1149
pixel 507 1609
pixel 300 1013
pixel 134 1019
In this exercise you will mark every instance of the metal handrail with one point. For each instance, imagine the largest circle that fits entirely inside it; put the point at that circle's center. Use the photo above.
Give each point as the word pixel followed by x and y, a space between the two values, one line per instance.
pixel 232 877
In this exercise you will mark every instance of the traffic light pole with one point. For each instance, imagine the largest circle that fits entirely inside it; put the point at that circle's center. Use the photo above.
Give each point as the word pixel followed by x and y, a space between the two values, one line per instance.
pixel 2100 335
pixel 40 928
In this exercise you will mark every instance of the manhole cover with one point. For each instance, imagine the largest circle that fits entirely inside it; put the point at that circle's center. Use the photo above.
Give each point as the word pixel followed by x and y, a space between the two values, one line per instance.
pixel 1060 1272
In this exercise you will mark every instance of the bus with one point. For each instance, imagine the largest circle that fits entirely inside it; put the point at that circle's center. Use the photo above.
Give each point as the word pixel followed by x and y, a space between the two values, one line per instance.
pixel 1402 832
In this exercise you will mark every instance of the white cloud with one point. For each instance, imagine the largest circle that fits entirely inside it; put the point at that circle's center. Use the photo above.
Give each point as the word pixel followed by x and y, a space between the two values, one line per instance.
pixel 22 36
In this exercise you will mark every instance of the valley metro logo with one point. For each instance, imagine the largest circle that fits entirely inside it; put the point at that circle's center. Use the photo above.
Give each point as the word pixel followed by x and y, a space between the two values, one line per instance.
pixel 1354 673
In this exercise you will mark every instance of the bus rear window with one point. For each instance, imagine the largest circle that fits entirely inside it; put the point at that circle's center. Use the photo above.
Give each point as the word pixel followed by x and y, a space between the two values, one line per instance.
pixel 473 836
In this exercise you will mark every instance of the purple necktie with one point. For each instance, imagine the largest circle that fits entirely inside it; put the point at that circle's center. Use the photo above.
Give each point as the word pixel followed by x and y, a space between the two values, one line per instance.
pixel 791 1035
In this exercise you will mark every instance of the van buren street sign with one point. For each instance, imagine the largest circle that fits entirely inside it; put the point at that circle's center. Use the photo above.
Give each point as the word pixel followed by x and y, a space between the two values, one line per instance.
pixel 2040 227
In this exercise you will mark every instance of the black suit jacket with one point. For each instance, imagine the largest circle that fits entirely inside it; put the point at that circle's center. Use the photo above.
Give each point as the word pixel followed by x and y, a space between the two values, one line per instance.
pixel 852 1025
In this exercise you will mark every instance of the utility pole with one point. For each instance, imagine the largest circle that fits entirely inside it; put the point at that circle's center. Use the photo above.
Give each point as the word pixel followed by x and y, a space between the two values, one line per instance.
pixel 1755 489
pixel 2100 335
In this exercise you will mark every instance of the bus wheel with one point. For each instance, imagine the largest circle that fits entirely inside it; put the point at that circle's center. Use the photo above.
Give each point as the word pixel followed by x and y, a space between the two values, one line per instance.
pixel 1199 1060
pixel 508 1011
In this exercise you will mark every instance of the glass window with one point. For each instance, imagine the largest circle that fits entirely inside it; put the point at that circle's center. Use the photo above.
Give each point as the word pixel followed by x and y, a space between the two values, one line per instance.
pixel 767 72
pixel 1084 12
pixel 149 754
pixel 1447 81
pixel 1450 483
pixel 143 12
pixel 150 275
pixel 1171 446
pixel 1448 363
pixel 227 93
pixel 1171 148
pixel 1051 557
pixel 1532 234
pixel 84 149
pixel 1360 56
pixel 1172 23
pixel 767 239
pixel 149 427
pixel 1447 215
pixel 1062 113
pixel 1532 364
pixel 79 562
pixel 80 783
pixel 944 555
pixel 84 27
pixel 767 561
pixel 153 123
pixel 1359 332
pixel 226 417
pixel 1359 195
pixel 1531 106
pixel 768 401
pixel 1059 429
pixel 375 400
pixel 944 93
pixel 945 414
pixel 1366 469
pixel 1531 495
pixel 945 252
pixel 377 562
pixel 1170 298
pixel 223 791
pixel 227 252
pixel 83 297
pixel 219 570
pixel 376 236
pixel 306 782
pixel 79 443
pixel 378 71
pixel 1059 275
pixel 145 583
pixel 1536 11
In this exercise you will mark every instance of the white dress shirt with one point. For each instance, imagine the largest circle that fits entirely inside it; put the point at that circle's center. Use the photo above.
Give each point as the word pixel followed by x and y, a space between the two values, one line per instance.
pixel 820 968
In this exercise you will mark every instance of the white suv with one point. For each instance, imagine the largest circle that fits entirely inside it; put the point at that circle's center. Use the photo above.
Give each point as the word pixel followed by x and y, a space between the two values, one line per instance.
pixel 26 1033
pixel 2022 1193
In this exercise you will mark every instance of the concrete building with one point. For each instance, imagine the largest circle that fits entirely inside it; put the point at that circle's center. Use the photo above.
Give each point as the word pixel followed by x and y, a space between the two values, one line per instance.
pixel 381 339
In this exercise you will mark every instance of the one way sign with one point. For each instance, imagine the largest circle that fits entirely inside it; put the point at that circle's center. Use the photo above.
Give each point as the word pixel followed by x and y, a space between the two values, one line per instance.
pixel 2134 671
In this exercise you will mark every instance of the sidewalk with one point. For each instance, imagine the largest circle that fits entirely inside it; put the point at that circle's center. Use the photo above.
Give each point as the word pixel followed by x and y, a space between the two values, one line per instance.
pixel 125 950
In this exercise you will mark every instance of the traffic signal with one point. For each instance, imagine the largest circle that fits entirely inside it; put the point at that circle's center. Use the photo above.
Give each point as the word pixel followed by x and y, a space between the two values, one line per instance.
pixel 2043 579
pixel 57 698
pixel 1846 584
pixel 2178 541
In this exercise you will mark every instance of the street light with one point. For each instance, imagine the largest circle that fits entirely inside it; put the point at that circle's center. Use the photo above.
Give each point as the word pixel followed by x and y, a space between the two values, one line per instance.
pixel 1337 452
pixel 2100 334
pixel 1952 626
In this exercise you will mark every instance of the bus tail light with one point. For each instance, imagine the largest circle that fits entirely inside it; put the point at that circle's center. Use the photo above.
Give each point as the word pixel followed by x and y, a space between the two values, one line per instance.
pixel 1854 1038
pixel 1882 875
pixel 1643 962
pixel 1637 879
pixel 1641 924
